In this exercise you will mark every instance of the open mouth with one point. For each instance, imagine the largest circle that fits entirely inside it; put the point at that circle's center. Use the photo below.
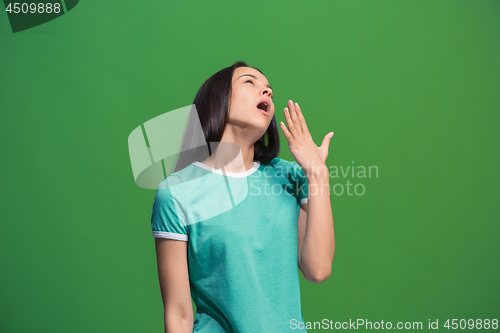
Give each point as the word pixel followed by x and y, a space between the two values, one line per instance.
pixel 263 106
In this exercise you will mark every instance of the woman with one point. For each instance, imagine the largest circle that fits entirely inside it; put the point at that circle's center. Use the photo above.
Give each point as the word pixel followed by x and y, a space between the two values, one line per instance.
pixel 230 229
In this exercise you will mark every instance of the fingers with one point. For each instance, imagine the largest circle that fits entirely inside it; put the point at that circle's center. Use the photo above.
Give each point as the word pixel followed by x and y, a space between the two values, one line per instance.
pixel 301 119
pixel 289 121
pixel 288 135
pixel 295 120
pixel 293 115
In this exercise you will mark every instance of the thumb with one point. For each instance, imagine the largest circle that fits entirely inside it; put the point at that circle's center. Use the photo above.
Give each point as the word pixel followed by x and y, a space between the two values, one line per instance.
pixel 326 140
pixel 325 145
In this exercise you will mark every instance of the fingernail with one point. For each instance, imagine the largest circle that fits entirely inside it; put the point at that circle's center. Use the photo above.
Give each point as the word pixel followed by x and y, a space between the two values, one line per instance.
pixel 331 134
pixel 286 110
pixel 290 103
pixel 296 105
pixel 281 123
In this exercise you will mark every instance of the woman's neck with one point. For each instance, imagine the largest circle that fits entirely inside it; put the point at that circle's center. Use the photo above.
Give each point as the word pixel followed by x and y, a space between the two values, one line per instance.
pixel 230 157
pixel 235 151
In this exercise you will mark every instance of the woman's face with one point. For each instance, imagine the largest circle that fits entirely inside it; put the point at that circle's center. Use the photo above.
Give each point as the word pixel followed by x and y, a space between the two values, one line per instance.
pixel 250 94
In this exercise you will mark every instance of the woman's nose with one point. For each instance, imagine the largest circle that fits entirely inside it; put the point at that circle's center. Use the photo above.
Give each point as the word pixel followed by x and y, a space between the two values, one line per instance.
pixel 266 91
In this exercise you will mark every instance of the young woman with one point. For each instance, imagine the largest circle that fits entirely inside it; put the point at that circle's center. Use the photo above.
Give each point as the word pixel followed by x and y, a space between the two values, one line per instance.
pixel 231 228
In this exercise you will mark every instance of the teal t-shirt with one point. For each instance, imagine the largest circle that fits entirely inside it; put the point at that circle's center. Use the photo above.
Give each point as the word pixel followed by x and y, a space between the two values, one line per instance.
pixel 241 230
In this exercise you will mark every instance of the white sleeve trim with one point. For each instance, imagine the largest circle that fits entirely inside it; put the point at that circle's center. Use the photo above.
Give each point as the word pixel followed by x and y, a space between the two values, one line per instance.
pixel 170 235
pixel 303 201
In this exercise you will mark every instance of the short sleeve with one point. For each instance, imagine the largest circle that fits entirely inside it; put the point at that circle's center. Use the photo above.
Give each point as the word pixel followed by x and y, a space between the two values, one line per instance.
pixel 301 190
pixel 168 219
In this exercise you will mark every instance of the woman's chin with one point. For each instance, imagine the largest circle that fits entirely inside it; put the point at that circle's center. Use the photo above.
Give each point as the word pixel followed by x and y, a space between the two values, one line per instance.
pixel 254 125
pixel 262 127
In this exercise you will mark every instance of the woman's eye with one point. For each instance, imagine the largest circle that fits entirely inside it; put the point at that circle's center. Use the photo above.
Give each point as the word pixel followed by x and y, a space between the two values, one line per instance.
pixel 249 81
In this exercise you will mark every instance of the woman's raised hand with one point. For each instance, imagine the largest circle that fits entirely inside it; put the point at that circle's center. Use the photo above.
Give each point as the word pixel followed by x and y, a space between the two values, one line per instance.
pixel 310 157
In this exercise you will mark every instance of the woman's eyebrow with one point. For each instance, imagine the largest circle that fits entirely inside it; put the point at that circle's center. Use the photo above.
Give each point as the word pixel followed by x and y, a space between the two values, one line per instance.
pixel 254 78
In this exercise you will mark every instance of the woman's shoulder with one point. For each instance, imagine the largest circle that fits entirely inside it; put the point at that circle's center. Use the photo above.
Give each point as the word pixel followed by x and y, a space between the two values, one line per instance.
pixel 185 175
pixel 184 184
pixel 280 162
pixel 181 178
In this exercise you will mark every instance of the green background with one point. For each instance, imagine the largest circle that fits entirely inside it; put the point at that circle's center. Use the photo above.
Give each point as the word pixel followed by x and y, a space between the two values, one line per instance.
pixel 411 87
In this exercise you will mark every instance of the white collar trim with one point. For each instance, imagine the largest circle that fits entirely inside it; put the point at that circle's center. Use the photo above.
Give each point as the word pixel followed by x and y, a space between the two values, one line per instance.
pixel 254 168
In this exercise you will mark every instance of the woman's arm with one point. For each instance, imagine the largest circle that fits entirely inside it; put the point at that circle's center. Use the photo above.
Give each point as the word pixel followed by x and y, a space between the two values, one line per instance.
pixel 174 285
pixel 316 234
